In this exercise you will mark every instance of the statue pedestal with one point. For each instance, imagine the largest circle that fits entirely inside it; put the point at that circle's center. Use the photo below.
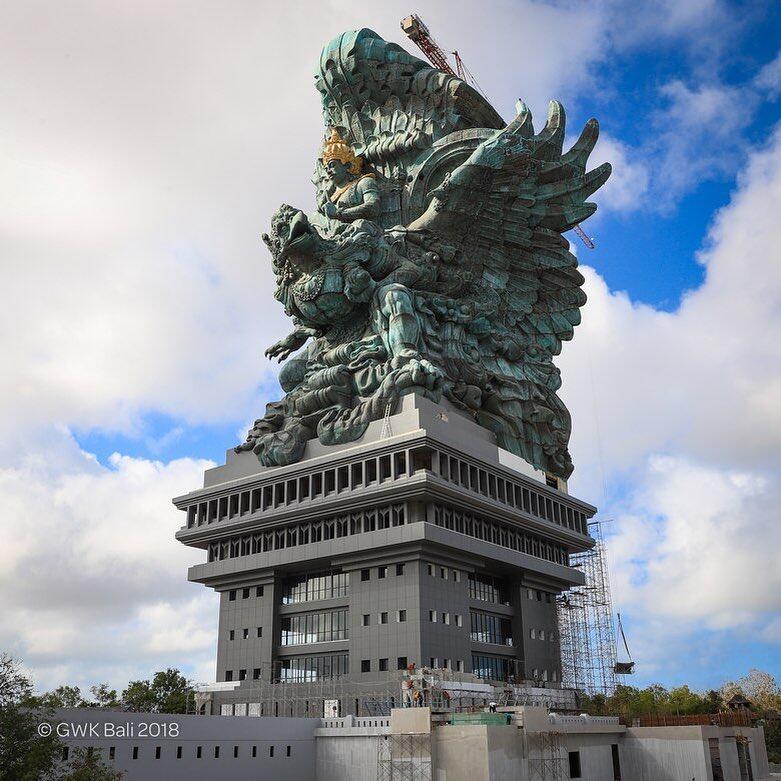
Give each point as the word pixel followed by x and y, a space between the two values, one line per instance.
pixel 423 542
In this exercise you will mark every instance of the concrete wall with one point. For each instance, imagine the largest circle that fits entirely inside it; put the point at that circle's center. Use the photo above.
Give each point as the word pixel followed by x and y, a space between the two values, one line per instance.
pixel 347 756
pixel 168 733
pixel 477 753
pixel 674 753
pixel 596 758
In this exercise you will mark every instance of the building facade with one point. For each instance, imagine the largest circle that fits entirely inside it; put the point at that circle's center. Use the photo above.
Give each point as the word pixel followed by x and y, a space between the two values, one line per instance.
pixel 422 543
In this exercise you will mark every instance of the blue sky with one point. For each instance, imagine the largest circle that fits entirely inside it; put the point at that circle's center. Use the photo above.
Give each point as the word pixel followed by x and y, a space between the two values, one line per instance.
pixel 144 151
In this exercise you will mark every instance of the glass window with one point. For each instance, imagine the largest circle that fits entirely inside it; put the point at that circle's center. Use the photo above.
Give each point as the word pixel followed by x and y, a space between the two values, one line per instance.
pixel 381 572
pixel 305 669
pixel 399 569
pixel 492 667
pixel 402 616
pixel 304 628
pixel 383 665
pixel 366 665
pixel 311 588
pixel 232 595
pixel 486 588
pixel 383 618
pixel 490 628
pixel 366 619
pixel 401 663
pixel 365 574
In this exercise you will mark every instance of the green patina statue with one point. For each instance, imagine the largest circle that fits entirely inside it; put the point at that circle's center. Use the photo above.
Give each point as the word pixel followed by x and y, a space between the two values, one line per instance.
pixel 434 263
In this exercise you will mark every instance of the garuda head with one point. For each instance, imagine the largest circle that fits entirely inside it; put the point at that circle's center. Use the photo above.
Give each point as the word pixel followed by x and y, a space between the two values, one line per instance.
pixel 291 235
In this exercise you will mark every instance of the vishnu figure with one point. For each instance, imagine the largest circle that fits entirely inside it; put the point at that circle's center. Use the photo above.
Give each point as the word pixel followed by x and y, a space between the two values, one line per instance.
pixel 351 194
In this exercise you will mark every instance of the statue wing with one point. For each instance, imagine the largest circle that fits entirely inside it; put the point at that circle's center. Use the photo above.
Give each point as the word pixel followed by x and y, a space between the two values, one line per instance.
pixel 505 209
pixel 391 107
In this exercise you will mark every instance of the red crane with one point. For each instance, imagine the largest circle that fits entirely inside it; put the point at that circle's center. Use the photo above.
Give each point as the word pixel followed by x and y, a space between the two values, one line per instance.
pixel 415 29
pixel 417 32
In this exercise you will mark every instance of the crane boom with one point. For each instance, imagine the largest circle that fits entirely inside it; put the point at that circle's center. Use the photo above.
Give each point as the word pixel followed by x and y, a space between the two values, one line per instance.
pixel 419 34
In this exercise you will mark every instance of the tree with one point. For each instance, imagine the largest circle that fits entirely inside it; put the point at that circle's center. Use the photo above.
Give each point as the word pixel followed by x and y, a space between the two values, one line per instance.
pixel 171 690
pixel 758 687
pixel 138 696
pixel 24 754
pixel 168 692
pixel 63 697
pixel 104 697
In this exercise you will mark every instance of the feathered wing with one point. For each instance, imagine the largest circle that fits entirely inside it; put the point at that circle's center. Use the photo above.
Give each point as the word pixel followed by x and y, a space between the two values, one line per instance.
pixel 505 209
pixel 392 106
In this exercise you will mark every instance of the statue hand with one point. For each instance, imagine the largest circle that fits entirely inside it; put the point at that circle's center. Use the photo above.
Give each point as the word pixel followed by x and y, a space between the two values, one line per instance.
pixel 282 349
pixel 330 210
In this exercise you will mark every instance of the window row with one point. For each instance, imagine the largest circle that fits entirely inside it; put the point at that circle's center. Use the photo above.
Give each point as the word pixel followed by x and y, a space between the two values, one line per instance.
pixel 444 618
pixel 542 634
pixel 498 533
pixel 329 482
pixel 382 572
pixel 244 633
pixel 303 628
pixel 382 618
pixel 444 573
pixel 306 669
pixel 289 536
pixel 495 668
pixel 245 593
pixel 487 588
pixel 446 664
pixel 179 752
pixel 540 596
pixel 490 628
pixel 509 492
pixel 312 588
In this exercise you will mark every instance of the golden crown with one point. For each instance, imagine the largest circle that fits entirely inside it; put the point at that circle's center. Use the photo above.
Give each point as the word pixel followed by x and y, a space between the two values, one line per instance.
pixel 336 148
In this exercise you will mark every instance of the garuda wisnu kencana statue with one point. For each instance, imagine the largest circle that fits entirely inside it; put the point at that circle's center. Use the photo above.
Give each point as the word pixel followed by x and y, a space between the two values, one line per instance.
pixel 434 263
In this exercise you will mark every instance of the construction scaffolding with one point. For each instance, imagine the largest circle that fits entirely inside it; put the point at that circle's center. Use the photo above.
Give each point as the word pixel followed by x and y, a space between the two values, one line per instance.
pixel 404 757
pixel 329 696
pixel 546 758
pixel 587 634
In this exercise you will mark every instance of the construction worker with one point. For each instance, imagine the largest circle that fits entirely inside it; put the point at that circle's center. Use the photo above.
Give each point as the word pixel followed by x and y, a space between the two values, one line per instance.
pixel 406 692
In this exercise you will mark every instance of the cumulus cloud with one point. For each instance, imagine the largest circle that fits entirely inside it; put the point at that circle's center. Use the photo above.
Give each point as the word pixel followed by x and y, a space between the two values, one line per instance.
pixel 768 80
pixel 89 566
pixel 143 152
pixel 681 411
pixel 627 187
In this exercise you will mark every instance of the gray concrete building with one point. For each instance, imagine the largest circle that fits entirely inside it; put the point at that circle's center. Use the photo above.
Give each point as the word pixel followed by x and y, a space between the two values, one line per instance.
pixel 522 744
pixel 421 543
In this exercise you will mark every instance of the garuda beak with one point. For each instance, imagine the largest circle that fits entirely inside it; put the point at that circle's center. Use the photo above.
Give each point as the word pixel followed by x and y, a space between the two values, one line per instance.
pixel 299 235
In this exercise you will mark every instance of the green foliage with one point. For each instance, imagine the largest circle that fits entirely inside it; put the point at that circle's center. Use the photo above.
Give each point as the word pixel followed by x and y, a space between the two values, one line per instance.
pixel 24 754
pixel 167 692
pixel 104 697
pixel 629 701
pixel 63 697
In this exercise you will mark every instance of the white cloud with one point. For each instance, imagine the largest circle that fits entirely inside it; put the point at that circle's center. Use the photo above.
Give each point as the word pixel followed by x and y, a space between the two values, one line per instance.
pixel 681 411
pixel 90 571
pixel 143 152
pixel 768 79
pixel 627 187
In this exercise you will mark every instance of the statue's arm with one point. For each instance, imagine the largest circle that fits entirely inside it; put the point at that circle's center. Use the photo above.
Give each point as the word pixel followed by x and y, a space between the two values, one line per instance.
pixel 368 209
pixel 292 342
